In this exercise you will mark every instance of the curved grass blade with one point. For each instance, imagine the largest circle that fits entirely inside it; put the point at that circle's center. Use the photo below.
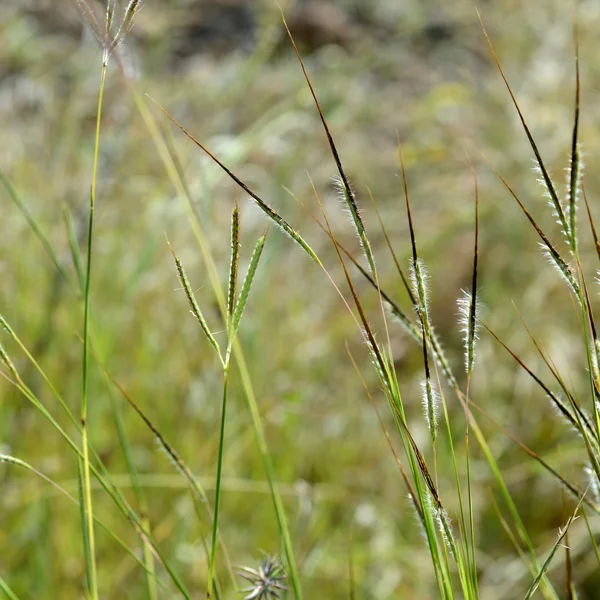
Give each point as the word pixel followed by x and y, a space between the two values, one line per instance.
pixel 549 185
pixel 36 229
pixel 553 255
pixel 347 190
pixel 270 212
pixel 62 491
pixel 562 533
pixel 100 473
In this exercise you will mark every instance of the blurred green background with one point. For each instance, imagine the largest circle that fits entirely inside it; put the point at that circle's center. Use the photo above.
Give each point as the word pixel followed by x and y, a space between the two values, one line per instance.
pixel 420 70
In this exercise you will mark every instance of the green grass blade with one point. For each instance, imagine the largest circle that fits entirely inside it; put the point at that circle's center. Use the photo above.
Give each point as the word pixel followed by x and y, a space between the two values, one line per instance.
pixel 6 589
pixel 36 229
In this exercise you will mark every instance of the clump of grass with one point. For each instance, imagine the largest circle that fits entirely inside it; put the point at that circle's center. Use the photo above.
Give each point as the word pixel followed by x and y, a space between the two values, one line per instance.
pixel 446 518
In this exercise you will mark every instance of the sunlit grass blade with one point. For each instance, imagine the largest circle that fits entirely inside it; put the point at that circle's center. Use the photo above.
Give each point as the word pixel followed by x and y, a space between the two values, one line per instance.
pixel 510 503
pixel 592 537
pixel 270 212
pixel 12 460
pixel 6 589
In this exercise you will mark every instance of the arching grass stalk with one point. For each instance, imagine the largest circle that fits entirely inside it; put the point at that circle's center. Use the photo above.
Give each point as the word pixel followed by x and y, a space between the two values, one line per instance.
pixel 235 309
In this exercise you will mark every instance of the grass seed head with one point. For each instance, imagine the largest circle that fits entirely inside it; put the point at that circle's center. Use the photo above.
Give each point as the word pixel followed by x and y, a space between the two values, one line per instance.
pixel 266 582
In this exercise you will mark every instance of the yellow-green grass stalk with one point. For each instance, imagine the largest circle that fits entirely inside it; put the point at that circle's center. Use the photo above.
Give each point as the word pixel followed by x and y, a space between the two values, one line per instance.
pixel 87 508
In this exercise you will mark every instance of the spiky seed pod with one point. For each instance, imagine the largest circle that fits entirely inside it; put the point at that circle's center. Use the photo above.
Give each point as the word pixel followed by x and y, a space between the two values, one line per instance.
pixel 266 582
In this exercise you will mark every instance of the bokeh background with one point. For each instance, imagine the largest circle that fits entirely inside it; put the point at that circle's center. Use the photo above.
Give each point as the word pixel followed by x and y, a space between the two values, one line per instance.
pixel 415 70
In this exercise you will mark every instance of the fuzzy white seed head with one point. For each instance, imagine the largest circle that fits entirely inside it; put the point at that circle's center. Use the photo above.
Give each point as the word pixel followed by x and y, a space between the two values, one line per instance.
pixel 575 171
pixel 469 325
pixel 445 527
pixel 430 399
pixel 419 279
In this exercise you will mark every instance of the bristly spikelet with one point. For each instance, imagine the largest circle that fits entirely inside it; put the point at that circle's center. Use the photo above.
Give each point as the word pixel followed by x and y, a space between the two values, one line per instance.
pixel 172 459
pixel 553 201
pixel 574 173
pixel 594 356
pixel 243 298
pixel 343 195
pixel 430 399
pixel 109 40
pixel 233 267
pixel 419 279
pixel 376 362
pixel 445 526
pixel 126 24
pixel 563 269
pixel 469 325
pixel 348 196
pixel 195 309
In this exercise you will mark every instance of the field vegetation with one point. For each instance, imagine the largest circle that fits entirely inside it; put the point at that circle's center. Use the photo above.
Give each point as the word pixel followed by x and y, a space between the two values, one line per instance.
pixel 303 293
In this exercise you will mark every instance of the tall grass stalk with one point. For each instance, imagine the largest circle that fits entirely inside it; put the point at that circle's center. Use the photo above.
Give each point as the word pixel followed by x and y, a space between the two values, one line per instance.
pixel 234 313
pixel 87 510
pixel 197 229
